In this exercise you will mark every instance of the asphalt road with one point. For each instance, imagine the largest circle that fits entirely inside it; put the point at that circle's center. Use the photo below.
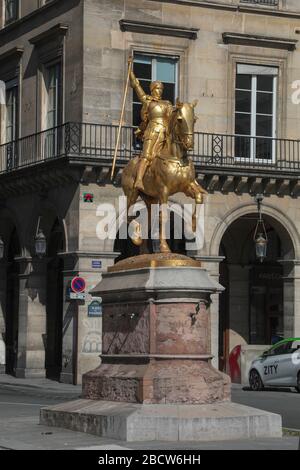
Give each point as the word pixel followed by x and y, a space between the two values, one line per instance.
pixel 285 402
pixel 20 429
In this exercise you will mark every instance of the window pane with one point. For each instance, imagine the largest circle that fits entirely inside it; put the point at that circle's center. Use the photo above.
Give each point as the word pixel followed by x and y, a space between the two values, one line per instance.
pixel 169 92
pixel 136 114
pixel 11 114
pixel 243 101
pixel 54 94
pixel 265 82
pixel 264 103
pixel 144 59
pixel 243 82
pixel 243 124
pixel 142 70
pixel 264 125
pixel 165 71
pixel 264 149
pixel 242 147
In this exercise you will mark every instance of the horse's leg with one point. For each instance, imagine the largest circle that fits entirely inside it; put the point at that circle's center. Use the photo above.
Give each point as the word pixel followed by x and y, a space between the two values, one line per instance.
pixel 195 191
pixel 145 247
pixel 163 217
pixel 132 197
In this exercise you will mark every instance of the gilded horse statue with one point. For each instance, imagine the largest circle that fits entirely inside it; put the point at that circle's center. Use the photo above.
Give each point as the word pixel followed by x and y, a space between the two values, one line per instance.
pixel 170 172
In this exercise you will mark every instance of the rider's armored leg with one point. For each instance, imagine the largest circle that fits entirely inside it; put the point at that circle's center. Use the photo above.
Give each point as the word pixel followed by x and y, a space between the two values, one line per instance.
pixel 145 160
pixel 142 167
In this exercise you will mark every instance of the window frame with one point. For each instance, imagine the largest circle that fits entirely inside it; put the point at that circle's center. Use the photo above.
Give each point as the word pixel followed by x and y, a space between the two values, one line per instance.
pixel 11 20
pixel 253 112
pixel 12 85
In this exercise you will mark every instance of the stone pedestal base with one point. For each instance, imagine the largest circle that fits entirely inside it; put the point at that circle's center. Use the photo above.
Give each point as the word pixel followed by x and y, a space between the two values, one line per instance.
pixel 134 422
pixel 156 334
pixel 160 381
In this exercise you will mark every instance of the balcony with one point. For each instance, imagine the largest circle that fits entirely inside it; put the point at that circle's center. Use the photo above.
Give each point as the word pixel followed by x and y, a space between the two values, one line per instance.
pixel 223 162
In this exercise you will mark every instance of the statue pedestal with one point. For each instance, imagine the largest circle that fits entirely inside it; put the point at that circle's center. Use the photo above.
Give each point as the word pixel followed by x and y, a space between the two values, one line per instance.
pixel 156 381
pixel 156 338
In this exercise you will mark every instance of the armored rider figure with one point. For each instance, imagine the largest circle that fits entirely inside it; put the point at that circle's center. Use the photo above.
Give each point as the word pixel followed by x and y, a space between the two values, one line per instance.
pixel 155 115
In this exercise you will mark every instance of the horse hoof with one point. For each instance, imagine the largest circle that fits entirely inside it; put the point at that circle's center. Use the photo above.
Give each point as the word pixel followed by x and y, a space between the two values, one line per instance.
pixel 164 248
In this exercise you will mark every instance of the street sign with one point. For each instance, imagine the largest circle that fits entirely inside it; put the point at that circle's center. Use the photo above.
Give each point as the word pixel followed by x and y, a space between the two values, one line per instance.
pixel 78 284
pixel 95 309
pixel 77 296
pixel 96 264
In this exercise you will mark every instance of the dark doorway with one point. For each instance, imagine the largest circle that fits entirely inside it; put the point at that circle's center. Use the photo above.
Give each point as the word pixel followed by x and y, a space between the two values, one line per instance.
pixel 54 306
pixel 12 305
pixel 251 307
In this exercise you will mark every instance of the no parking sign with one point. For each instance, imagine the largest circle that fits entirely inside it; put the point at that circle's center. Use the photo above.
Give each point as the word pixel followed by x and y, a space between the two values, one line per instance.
pixel 78 284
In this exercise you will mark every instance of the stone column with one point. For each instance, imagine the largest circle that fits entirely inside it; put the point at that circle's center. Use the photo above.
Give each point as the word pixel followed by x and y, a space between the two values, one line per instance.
pixel 82 335
pixel 238 305
pixel 3 280
pixel 32 318
pixel 291 297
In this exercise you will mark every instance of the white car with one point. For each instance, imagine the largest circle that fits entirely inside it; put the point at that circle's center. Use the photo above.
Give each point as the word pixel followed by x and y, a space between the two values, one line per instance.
pixel 277 367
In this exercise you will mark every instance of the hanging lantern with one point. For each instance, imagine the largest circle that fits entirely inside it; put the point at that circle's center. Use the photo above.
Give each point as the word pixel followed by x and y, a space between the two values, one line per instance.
pixel 40 242
pixel 260 234
pixel 261 247
pixel 2 247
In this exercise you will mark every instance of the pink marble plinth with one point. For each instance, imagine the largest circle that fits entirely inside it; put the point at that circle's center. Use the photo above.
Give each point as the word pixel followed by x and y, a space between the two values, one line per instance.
pixel 156 344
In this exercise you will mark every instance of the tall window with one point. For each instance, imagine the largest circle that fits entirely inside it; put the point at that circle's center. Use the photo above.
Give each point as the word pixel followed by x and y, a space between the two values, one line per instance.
pixel 11 10
pixel 149 68
pixel 53 85
pixel 11 110
pixel 53 110
pixel 11 123
pixel 255 112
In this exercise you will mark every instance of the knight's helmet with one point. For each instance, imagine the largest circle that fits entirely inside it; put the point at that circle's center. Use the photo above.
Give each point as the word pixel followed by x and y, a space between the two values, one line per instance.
pixel 155 84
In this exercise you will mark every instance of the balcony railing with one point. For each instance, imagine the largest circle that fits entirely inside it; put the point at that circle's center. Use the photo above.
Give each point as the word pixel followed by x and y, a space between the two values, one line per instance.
pixel 96 142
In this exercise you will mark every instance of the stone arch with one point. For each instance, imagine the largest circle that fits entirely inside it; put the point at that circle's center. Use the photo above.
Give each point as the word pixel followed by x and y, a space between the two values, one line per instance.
pixel 281 222
pixel 259 301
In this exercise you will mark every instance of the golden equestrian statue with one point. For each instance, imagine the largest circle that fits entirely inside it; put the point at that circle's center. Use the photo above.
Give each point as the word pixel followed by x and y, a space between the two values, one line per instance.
pixel 163 168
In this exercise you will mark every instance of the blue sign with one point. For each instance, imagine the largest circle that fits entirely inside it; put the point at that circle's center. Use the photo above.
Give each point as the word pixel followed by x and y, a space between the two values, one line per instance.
pixel 96 263
pixel 95 309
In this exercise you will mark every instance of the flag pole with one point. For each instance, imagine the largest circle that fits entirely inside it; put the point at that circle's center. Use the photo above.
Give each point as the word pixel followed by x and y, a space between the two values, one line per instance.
pixel 130 62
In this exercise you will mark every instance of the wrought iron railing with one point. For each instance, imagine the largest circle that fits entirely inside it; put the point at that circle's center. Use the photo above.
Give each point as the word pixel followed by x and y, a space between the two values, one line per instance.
pixel 97 142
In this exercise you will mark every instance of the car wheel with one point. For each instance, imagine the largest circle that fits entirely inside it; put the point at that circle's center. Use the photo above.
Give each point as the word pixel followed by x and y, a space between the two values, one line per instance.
pixel 255 381
pixel 298 383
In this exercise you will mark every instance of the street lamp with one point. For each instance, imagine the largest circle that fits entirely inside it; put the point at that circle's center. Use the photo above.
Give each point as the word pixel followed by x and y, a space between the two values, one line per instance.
pixel 260 235
pixel 1 248
pixel 40 242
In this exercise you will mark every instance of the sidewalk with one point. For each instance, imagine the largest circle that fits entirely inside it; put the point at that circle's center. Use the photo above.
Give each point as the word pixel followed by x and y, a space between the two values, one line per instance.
pixel 45 386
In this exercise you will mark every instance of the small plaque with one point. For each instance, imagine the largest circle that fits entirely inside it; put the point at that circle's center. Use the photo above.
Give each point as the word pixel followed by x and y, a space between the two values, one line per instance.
pixel 95 309
pixel 96 264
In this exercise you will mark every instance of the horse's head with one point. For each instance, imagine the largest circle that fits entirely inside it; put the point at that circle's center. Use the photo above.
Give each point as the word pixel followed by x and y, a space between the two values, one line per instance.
pixel 184 123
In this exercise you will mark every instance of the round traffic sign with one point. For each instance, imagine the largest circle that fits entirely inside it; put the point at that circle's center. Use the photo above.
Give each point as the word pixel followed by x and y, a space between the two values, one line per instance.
pixel 78 284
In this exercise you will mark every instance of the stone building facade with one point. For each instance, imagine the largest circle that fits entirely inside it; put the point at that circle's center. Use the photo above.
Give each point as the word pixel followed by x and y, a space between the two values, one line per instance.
pixel 63 72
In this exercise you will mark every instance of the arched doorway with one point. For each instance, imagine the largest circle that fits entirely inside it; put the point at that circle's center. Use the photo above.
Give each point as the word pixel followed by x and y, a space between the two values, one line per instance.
pixel 54 303
pixel 251 309
pixel 12 304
